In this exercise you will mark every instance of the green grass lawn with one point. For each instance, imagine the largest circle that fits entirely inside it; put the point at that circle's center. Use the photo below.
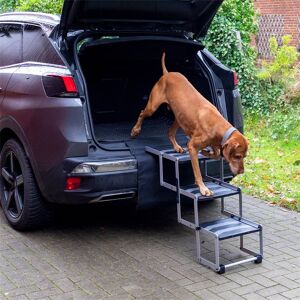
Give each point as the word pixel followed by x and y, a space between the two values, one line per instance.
pixel 272 167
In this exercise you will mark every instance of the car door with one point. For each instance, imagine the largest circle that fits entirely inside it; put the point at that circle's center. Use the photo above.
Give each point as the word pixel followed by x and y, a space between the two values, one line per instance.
pixel 10 53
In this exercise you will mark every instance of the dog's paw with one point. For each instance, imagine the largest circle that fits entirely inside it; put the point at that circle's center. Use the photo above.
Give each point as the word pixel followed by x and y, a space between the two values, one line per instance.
pixel 205 191
pixel 135 132
pixel 179 149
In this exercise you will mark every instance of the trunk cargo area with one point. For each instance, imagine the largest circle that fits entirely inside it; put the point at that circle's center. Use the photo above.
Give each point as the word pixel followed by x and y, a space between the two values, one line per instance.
pixel 120 73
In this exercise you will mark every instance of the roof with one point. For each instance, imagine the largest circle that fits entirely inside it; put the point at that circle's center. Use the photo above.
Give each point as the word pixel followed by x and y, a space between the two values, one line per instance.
pixel 32 17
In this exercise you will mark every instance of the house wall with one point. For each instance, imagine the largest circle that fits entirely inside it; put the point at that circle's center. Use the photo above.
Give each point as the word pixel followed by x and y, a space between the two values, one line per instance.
pixel 277 18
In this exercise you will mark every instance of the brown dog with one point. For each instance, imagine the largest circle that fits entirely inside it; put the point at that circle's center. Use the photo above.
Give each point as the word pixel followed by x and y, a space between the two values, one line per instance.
pixel 199 119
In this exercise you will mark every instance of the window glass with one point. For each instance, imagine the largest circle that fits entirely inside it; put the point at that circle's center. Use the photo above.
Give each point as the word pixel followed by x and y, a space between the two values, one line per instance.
pixel 37 47
pixel 10 44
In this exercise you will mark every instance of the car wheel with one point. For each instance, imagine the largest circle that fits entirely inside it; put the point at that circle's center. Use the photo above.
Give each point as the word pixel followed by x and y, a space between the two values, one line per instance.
pixel 21 200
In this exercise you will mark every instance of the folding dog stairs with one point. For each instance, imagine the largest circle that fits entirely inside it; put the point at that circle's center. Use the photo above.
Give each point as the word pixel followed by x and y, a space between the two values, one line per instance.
pixel 220 229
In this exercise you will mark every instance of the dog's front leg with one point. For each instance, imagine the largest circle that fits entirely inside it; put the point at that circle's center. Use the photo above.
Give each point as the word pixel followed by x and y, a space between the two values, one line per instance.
pixel 138 126
pixel 156 98
pixel 172 136
pixel 194 148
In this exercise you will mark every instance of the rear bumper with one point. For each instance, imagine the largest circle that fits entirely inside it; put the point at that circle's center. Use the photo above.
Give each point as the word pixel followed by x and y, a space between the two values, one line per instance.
pixel 94 187
pixel 101 187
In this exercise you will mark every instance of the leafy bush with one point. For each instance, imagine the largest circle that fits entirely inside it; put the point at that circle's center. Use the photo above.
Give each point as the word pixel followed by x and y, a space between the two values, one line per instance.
pixel 282 67
pixel 277 76
pixel 234 18
pixel 8 5
pixel 229 40
pixel 285 124
pixel 293 92
pixel 46 6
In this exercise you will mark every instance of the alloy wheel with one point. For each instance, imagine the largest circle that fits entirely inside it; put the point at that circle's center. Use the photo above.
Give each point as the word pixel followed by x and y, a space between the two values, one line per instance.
pixel 13 186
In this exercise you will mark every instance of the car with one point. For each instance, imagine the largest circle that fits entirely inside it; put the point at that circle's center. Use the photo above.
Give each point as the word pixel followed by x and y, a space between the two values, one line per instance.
pixel 71 88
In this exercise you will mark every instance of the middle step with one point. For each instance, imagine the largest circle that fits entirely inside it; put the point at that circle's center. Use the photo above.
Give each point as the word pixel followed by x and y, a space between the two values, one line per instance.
pixel 219 187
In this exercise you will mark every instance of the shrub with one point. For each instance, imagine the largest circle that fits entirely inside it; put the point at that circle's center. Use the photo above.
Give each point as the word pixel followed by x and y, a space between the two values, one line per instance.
pixel 277 76
pixel 229 40
pixel 8 5
pixel 282 67
pixel 46 6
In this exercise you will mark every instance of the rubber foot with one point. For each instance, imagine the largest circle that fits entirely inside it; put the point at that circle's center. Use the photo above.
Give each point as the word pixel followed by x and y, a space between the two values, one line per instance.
pixel 222 269
pixel 258 259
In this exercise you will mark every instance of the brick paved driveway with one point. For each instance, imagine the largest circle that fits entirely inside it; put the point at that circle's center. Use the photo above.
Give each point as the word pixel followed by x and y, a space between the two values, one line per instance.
pixel 112 253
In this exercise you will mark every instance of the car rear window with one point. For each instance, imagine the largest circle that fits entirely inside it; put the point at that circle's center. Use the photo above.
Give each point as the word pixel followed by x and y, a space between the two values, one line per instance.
pixel 37 47
pixel 10 44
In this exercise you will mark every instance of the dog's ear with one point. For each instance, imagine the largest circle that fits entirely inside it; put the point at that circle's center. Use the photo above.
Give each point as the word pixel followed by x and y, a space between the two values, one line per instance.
pixel 229 148
pixel 226 150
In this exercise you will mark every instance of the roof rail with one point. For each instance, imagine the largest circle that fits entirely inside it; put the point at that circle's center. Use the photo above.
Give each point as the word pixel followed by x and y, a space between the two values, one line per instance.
pixel 34 17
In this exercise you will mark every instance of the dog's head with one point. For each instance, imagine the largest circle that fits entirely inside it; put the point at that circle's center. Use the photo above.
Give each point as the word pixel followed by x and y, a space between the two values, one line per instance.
pixel 234 151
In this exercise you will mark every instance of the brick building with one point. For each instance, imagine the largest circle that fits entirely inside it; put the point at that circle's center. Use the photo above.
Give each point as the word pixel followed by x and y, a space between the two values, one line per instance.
pixel 277 18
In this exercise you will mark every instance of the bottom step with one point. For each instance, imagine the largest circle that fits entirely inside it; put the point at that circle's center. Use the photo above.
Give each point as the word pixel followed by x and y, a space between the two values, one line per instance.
pixel 230 227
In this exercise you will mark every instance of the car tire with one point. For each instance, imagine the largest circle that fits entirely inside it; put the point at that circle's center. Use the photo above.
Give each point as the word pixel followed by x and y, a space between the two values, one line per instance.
pixel 21 200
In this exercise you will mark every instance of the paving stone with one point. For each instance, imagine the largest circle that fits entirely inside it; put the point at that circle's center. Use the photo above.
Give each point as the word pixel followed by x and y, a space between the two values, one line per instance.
pixel 206 294
pixel 262 280
pixel 253 296
pixel 19 297
pixel 184 281
pixel 238 278
pixel 44 293
pixel 220 288
pixel 21 291
pixel 253 287
pixel 74 295
pixel 294 293
pixel 91 288
pixel 273 290
pixel 200 285
pixel 228 295
pixel 276 273
pixel 182 293
pixel 65 284
pixel 286 282
pixel 277 297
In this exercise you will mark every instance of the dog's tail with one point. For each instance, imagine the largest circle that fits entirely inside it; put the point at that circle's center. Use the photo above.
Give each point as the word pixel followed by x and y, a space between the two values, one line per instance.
pixel 165 71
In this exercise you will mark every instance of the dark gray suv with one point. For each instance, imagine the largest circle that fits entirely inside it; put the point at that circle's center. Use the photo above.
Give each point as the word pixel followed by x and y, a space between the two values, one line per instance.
pixel 71 89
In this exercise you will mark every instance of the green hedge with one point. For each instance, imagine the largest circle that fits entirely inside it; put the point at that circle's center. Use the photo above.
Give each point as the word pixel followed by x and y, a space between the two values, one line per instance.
pixel 47 6
pixel 229 40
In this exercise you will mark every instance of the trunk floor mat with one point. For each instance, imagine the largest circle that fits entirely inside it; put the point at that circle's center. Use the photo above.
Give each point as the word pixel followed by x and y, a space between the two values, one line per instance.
pixel 120 131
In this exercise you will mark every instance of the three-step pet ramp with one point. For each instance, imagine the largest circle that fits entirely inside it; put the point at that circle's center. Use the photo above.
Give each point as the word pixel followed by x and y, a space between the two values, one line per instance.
pixel 220 229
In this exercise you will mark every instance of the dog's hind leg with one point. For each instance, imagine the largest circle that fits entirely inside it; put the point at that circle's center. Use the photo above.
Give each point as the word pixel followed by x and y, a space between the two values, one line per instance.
pixel 194 146
pixel 172 136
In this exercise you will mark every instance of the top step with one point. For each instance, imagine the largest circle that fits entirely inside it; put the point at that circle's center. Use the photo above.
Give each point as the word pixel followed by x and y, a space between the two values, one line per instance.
pixel 171 154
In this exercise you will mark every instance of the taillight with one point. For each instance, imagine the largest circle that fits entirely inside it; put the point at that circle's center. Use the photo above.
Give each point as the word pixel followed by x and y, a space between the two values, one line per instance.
pixel 56 85
pixel 73 183
pixel 235 78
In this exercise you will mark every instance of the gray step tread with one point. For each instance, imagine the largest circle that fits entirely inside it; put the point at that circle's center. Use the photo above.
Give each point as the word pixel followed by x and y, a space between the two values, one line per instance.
pixel 230 227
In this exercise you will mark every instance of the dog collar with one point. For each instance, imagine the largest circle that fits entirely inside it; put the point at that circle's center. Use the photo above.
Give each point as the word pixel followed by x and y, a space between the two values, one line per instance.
pixel 227 135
